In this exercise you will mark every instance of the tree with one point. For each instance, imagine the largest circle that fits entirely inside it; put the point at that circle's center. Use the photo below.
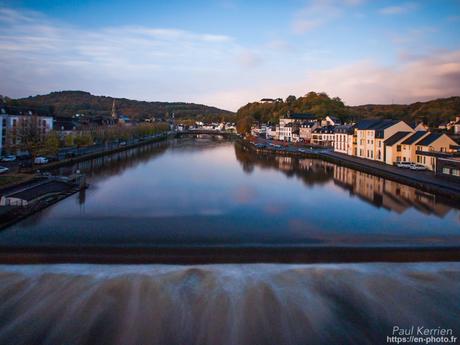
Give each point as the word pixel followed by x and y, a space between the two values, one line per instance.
pixel 290 99
pixel 51 144
pixel 27 134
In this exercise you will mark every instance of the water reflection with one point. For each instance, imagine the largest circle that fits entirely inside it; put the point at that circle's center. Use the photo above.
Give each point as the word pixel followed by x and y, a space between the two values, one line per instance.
pixel 210 192
pixel 372 189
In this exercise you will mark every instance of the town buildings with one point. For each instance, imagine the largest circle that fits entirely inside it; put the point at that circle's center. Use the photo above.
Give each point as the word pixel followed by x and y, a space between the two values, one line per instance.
pixel 306 129
pixel 371 134
pixel 384 140
pixel 432 146
pixel 344 140
pixel 18 122
pixel 323 136
pixel 393 141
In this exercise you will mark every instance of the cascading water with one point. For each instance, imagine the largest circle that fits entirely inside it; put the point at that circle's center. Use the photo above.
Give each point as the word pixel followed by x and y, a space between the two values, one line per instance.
pixel 224 304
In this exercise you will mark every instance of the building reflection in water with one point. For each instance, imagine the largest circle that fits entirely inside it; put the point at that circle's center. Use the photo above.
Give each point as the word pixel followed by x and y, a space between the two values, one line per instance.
pixel 372 189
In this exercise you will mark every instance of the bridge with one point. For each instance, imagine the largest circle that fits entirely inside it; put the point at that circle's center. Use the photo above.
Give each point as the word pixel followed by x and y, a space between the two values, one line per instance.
pixel 206 132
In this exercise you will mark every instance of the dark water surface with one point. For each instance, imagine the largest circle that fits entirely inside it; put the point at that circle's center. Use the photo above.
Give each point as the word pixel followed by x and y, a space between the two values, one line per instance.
pixel 205 191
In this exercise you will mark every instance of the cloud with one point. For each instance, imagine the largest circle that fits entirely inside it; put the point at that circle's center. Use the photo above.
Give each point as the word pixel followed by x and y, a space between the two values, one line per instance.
pixel 318 13
pixel 401 9
pixel 363 82
pixel 40 55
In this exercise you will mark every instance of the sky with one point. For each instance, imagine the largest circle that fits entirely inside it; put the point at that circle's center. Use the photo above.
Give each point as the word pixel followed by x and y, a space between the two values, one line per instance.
pixel 227 53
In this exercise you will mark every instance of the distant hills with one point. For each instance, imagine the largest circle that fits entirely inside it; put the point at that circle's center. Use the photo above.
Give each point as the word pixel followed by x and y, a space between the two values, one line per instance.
pixel 431 113
pixel 69 103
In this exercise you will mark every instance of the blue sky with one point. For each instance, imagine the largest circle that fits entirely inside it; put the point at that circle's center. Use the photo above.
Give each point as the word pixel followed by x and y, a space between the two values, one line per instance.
pixel 227 52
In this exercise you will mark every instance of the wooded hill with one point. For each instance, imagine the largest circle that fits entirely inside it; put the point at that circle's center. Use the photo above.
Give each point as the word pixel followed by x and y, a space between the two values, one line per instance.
pixel 431 112
pixel 69 103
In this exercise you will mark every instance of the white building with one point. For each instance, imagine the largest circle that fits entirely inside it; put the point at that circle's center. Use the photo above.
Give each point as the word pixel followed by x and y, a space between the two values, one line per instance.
pixel 272 132
pixel 286 131
pixel 11 124
pixel 331 121
pixel 323 136
pixel 343 139
pixel 457 125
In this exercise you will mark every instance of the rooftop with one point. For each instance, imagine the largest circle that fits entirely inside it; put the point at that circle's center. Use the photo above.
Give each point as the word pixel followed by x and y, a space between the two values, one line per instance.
pixel 396 138
pixel 414 137
pixel 376 124
pixel 300 116
pixel 430 138
pixel 344 129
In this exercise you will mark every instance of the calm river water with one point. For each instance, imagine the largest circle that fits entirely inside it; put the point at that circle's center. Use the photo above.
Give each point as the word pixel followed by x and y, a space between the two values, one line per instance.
pixel 206 191
pixel 210 192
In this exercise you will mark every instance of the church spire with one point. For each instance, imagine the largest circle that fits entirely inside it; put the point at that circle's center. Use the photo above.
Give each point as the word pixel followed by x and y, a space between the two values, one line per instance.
pixel 114 110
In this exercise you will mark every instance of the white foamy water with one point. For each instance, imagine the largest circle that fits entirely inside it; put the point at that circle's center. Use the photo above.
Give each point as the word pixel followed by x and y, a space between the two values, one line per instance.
pixel 224 304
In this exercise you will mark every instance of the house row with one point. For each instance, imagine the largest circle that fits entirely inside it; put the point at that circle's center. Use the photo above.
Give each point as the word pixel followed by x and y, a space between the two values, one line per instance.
pixel 454 124
pixel 308 128
pixel 392 141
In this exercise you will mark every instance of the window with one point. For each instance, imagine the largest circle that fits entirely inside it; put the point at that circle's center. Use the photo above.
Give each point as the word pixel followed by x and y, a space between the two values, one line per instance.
pixel 456 172
pixel 446 171
pixel 398 148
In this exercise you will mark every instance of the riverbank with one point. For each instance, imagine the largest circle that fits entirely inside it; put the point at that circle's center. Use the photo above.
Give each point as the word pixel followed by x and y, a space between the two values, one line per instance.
pixel 34 195
pixel 423 180
pixel 73 160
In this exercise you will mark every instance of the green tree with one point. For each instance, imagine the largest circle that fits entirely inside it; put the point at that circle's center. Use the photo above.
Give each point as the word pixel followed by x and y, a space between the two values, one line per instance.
pixel 51 144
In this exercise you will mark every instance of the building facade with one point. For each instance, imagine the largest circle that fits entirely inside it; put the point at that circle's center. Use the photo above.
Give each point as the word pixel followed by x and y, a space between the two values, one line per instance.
pixel 13 126
pixel 431 147
pixel 344 140
pixel 371 135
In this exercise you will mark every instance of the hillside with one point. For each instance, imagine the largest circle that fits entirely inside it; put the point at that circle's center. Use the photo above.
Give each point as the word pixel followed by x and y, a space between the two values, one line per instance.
pixel 431 112
pixel 69 103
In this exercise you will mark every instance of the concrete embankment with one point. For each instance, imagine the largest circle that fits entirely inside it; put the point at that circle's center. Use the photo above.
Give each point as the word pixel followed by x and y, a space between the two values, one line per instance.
pixel 422 180
pixel 93 155
pixel 23 200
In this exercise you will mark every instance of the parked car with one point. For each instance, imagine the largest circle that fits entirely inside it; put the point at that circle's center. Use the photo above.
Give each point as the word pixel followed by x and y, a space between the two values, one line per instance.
pixel 3 170
pixel 404 165
pixel 10 158
pixel 41 160
pixel 417 167
pixel 23 156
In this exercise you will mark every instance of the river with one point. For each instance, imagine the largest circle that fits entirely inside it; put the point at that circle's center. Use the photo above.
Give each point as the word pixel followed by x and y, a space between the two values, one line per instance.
pixel 207 192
